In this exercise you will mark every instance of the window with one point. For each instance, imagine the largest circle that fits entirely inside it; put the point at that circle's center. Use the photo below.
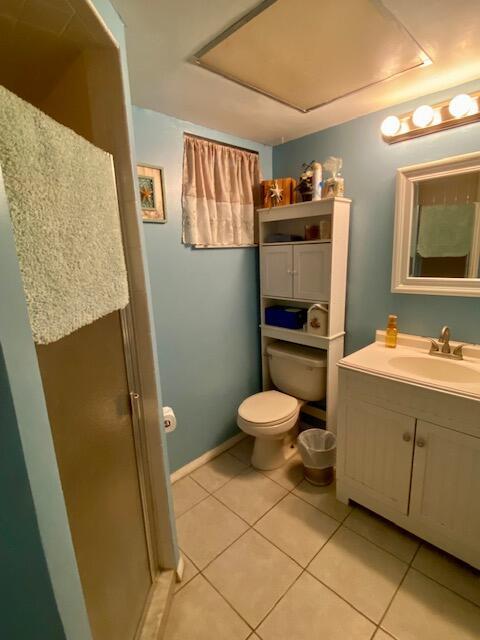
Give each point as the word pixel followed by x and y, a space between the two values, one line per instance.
pixel 220 189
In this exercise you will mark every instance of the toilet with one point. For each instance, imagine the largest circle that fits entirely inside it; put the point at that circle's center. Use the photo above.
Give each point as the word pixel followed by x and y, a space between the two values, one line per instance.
pixel 299 375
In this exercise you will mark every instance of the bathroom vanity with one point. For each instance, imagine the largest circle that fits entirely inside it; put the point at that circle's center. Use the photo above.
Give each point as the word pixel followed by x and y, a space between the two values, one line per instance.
pixel 409 440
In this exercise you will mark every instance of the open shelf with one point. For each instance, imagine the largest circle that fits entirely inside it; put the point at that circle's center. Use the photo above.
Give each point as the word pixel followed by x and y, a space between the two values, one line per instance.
pixel 276 244
pixel 300 209
pixel 304 300
pixel 299 336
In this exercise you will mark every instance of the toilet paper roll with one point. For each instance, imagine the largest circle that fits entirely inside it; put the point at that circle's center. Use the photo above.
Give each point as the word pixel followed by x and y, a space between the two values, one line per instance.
pixel 169 419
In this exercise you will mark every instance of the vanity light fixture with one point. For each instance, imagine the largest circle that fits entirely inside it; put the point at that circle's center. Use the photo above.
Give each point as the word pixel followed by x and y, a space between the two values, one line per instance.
pixel 459 110
pixel 461 105
pixel 390 126
pixel 423 116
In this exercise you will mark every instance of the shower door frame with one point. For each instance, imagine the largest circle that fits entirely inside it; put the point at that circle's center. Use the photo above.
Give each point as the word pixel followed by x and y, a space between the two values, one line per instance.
pixel 111 131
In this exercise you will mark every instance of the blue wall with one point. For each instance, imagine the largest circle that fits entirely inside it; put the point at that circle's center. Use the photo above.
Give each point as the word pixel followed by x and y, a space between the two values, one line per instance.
pixel 369 169
pixel 205 303
pixel 28 607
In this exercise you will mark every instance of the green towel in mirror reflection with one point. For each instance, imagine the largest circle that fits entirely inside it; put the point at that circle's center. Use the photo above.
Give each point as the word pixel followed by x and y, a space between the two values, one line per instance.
pixel 445 230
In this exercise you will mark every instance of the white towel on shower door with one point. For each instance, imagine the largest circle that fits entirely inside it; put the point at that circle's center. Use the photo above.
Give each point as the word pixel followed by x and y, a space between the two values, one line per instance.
pixel 63 205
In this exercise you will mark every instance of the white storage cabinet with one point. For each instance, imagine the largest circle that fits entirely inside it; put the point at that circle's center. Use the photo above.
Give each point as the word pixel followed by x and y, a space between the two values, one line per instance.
pixel 299 274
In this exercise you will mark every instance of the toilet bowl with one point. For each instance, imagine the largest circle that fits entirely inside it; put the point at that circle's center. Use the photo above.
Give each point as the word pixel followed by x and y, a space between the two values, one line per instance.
pixel 269 416
pixel 299 375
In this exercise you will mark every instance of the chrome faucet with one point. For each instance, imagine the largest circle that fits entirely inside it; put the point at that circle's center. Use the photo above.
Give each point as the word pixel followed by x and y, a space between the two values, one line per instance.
pixel 441 347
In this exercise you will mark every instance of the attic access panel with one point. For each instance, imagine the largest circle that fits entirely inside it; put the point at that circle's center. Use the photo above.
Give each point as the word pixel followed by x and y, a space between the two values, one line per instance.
pixel 305 55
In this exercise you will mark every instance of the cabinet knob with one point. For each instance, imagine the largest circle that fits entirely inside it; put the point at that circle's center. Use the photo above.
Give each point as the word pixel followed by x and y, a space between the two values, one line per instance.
pixel 407 437
pixel 420 442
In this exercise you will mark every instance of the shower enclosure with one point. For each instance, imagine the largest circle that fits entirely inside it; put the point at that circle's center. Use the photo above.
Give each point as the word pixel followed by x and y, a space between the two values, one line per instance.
pixel 99 384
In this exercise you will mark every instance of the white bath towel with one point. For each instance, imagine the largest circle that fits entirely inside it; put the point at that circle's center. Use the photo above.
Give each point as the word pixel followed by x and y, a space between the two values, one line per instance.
pixel 63 204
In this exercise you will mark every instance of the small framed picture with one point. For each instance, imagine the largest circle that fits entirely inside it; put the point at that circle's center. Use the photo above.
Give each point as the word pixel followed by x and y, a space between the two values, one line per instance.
pixel 152 199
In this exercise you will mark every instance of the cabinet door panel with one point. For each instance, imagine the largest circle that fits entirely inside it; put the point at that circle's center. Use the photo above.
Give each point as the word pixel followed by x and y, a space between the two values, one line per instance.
pixel 312 268
pixel 277 263
pixel 446 482
pixel 378 452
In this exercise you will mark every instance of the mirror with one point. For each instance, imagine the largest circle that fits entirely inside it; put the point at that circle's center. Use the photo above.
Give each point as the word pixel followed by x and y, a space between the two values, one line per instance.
pixel 437 228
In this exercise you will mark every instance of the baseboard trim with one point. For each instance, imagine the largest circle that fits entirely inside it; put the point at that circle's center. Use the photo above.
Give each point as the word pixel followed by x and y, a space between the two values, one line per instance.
pixel 206 457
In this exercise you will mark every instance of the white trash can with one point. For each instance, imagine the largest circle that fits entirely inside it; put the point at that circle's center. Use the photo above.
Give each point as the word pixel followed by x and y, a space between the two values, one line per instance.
pixel 318 448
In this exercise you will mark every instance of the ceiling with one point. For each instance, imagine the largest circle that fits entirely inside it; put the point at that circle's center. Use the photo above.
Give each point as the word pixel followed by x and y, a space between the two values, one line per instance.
pixel 163 36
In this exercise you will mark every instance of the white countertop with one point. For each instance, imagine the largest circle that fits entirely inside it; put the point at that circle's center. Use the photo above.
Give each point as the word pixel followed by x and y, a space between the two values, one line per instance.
pixel 410 362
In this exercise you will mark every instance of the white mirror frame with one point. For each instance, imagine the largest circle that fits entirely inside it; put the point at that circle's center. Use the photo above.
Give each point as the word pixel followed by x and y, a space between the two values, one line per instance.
pixel 407 177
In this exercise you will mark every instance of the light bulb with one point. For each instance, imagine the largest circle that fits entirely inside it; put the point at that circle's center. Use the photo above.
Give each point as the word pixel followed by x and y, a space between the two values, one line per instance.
pixel 390 126
pixel 423 116
pixel 460 105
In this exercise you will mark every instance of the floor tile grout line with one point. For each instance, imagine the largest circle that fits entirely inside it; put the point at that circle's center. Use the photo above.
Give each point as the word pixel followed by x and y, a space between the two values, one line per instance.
pixel 280 599
pixel 341 597
pixel 459 595
pixel 182 583
pixel 409 562
pixel 318 508
pixel 222 551
pixel 398 588
pixel 192 507
pixel 227 601
pixel 412 568
pixel 305 569
pixel 233 447
pixel 270 609
pixel 260 517
pixel 252 527
pixel 288 555
pixel 249 526
pixel 201 572
pixel 375 544
pixel 337 528
pixel 226 481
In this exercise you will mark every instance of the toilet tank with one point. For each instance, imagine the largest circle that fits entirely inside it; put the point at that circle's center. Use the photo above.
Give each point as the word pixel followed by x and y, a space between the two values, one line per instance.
pixel 297 370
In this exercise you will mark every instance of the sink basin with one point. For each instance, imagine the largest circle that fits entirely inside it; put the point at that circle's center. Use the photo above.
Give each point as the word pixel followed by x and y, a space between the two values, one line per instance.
pixel 411 362
pixel 436 369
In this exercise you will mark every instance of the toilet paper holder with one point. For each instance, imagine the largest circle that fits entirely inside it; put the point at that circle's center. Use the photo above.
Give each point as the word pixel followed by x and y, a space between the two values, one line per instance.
pixel 169 419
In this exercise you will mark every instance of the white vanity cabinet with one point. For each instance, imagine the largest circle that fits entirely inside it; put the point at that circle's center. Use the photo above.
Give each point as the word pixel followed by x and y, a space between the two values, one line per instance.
pixel 446 482
pixel 412 454
pixel 297 271
pixel 379 452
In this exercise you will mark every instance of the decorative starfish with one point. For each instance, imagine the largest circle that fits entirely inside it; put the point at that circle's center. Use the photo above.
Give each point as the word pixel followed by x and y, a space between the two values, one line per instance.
pixel 276 193
pixel 146 193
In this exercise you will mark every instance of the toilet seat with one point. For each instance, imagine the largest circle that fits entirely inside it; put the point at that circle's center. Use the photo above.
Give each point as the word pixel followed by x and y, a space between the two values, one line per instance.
pixel 268 409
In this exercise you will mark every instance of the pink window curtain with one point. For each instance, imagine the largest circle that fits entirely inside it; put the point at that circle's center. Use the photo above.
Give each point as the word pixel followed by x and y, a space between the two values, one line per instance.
pixel 220 187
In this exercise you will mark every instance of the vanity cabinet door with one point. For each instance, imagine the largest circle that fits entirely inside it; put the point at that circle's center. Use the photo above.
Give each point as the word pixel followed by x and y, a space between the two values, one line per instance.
pixel 311 271
pixel 446 484
pixel 378 452
pixel 277 268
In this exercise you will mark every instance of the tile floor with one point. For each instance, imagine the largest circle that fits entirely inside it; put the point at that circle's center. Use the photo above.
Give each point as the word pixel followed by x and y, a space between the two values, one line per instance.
pixel 270 557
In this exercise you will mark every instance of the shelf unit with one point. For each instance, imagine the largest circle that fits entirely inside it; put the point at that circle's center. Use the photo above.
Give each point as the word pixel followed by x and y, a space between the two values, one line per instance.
pixel 304 272
pixel 300 242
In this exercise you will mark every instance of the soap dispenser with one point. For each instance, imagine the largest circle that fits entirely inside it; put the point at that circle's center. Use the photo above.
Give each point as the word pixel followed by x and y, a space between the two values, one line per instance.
pixel 391 332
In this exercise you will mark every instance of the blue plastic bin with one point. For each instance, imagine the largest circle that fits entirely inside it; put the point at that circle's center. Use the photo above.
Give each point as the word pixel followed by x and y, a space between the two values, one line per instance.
pixel 286 317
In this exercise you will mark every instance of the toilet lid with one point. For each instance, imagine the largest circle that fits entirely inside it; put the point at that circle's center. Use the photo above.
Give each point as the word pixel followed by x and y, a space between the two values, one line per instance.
pixel 268 407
